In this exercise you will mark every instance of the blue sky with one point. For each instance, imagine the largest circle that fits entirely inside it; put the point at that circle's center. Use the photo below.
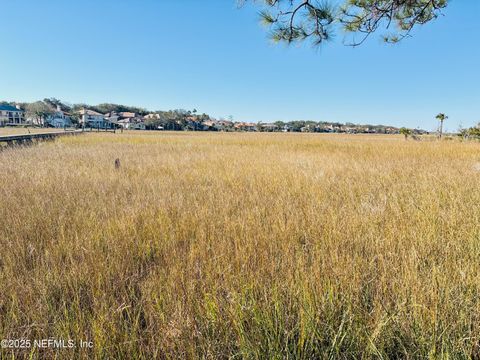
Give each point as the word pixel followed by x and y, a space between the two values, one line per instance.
pixel 209 55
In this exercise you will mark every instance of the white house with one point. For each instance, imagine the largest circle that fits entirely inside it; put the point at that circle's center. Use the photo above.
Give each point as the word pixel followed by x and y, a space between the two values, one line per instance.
pixel 93 119
pixel 137 126
pixel 112 116
pixel 124 123
pixel 130 120
pixel 59 119
pixel 11 115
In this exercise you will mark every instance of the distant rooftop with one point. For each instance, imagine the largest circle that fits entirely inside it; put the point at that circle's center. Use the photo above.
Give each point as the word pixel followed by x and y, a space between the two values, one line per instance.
pixel 8 108
pixel 126 114
pixel 89 112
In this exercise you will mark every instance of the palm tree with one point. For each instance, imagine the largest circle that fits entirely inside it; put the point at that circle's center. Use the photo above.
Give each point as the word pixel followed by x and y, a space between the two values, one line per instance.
pixel 441 117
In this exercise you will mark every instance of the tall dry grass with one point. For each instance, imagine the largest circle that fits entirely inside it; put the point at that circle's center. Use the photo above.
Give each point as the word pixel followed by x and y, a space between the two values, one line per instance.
pixel 207 245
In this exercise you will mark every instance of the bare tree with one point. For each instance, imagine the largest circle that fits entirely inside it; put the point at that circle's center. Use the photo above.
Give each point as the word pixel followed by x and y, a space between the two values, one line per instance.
pixel 38 112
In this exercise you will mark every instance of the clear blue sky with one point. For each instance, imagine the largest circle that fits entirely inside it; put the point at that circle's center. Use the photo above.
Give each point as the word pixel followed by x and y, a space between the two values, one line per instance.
pixel 209 55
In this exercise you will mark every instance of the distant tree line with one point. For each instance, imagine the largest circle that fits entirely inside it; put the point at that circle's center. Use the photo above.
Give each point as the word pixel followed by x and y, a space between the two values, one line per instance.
pixel 108 108
pixel 470 133
pixel 181 119
pixel 325 126
pixel 178 119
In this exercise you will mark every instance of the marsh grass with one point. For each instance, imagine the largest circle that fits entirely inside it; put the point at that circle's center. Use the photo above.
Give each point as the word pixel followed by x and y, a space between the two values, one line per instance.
pixel 205 245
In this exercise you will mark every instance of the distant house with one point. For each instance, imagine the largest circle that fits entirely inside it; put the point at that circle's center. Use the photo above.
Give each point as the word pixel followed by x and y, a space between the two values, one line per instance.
pixel 127 114
pixel 11 115
pixel 287 128
pixel 269 127
pixel 208 124
pixel 224 125
pixel 129 120
pixel 112 119
pixel 152 116
pixel 192 123
pixel 112 116
pixel 153 120
pixel 348 129
pixel 93 119
pixel 392 130
pixel 137 126
pixel 123 123
pixel 244 126
pixel 59 118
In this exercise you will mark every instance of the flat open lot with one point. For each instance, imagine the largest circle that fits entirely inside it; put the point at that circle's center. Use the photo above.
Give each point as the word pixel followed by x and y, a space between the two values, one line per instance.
pixel 239 244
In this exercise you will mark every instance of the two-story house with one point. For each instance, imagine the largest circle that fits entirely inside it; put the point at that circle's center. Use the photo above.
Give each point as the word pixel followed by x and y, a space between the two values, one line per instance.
pixel 11 115
pixel 93 119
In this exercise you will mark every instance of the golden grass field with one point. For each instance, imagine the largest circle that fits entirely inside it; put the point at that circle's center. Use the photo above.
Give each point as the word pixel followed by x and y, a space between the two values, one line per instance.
pixel 242 245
